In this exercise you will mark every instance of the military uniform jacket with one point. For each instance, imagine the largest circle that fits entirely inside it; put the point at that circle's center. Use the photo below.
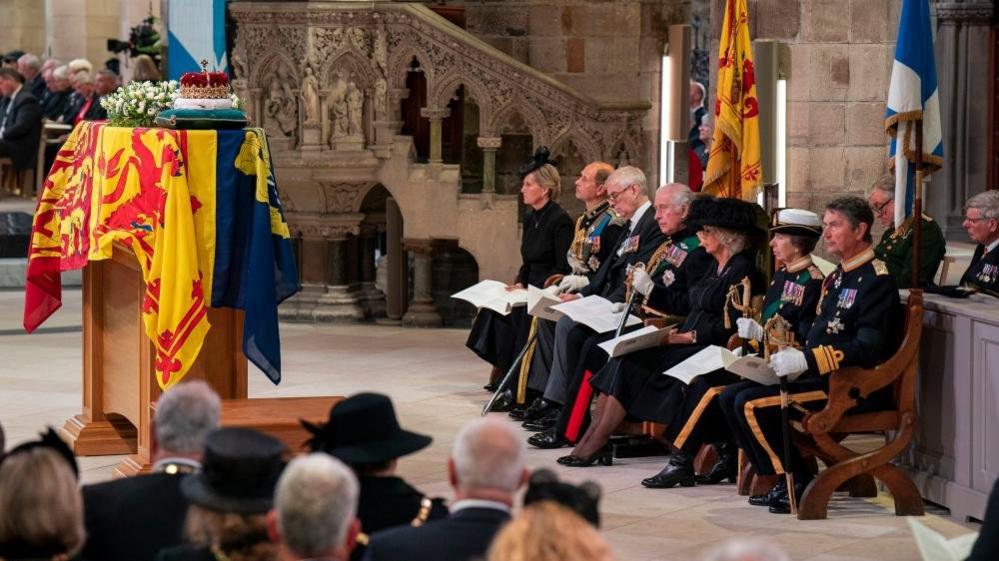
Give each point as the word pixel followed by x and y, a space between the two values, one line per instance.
pixel 708 296
pixel 596 235
pixel 637 246
pixel 895 249
pixel 854 318
pixel 544 245
pixel 984 269
pixel 676 265
pixel 794 296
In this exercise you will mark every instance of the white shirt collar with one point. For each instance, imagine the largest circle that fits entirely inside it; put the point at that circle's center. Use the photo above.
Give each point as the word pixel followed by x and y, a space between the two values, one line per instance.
pixel 479 503
pixel 633 221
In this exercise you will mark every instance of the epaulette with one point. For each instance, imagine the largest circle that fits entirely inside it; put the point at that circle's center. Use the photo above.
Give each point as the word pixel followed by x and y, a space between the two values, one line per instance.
pixel 879 267
pixel 615 219
pixel 927 217
pixel 815 272
pixel 691 243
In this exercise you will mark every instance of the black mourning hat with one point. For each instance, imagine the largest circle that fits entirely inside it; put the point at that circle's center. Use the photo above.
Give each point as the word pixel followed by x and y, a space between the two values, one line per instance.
pixel 49 439
pixel 12 56
pixel 540 158
pixel 239 471
pixel 363 429
pixel 583 499
pixel 730 214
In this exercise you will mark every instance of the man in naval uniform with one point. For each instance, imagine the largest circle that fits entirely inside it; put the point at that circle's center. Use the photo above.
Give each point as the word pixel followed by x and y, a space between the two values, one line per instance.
pixel 895 247
pixel 853 327
pixel 981 221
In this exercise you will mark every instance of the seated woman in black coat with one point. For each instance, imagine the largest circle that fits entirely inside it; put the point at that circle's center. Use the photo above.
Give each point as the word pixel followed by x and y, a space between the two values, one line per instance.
pixel 544 247
pixel 635 384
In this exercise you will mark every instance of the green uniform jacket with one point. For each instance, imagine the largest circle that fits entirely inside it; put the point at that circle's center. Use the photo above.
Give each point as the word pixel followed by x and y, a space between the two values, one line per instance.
pixel 895 249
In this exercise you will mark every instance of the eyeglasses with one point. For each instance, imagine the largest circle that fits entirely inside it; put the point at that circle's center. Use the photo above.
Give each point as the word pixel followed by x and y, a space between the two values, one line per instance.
pixel 614 196
pixel 880 209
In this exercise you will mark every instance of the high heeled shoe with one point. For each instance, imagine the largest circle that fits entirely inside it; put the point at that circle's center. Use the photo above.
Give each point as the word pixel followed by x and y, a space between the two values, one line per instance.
pixel 604 455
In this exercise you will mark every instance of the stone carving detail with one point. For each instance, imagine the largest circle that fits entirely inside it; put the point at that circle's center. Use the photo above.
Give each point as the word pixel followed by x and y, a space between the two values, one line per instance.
pixel 969 11
pixel 281 104
pixel 310 96
pixel 343 198
pixel 489 143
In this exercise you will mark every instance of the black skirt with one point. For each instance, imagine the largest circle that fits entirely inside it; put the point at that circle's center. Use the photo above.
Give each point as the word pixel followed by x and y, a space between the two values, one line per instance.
pixel 638 383
pixel 497 339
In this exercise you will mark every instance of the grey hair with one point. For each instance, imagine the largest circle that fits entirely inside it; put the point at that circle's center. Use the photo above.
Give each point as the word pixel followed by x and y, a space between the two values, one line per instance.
pixel 747 549
pixel 682 195
pixel 987 202
pixel 704 91
pixel 488 454
pixel 185 414
pixel 78 64
pixel 60 72
pixel 84 77
pixel 629 175
pixel 315 500
pixel 885 184
pixel 30 60
pixel 734 241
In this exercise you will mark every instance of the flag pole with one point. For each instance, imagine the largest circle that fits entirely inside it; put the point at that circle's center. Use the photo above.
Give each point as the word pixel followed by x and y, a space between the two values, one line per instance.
pixel 917 203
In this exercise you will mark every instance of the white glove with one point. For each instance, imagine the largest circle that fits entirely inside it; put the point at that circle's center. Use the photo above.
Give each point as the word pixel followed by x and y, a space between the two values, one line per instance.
pixel 749 328
pixel 641 281
pixel 573 283
pixel 789 362
pixel 617 307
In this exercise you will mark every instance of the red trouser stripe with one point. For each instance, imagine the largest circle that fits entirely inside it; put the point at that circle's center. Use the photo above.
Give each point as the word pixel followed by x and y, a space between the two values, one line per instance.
pixel 579 408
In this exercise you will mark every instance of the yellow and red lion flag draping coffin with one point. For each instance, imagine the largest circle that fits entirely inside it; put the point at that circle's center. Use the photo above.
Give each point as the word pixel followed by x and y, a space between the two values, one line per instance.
pixel 188 204
pixel 734 158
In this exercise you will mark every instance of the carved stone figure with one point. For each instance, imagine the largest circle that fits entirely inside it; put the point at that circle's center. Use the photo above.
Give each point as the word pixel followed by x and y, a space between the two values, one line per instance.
pixel 281 106
pixel 310 96
pixel 380 101
pixel 381 49
pixel 355 109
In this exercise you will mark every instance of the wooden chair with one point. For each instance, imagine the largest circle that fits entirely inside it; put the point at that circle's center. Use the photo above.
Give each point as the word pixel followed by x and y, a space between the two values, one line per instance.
pixel 825 429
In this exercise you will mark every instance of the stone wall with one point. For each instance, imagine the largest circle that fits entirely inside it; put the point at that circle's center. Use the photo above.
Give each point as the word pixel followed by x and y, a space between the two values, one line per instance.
pixel 22 25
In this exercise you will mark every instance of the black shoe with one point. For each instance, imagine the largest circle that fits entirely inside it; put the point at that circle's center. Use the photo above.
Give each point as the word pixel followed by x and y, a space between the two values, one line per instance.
pixel 540 409
pixel 603 455
pixel 781 504
pixel 764 500
pixel 504 402
pixel 544 423
pixel 491 387
pixel 726 467
pixel 678 471
pixel 517 413
pixel 548 440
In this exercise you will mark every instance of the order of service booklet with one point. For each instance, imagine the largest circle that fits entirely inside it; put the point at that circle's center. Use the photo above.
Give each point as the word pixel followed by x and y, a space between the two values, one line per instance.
pixel 595 312
pixel 494 296
pixel 644 338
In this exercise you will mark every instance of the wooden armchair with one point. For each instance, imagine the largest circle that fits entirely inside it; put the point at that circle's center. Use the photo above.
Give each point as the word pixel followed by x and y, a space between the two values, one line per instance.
pixel 825 429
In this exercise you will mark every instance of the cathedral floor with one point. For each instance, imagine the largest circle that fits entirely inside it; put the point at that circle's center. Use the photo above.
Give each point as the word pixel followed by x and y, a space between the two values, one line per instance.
pixel 435 383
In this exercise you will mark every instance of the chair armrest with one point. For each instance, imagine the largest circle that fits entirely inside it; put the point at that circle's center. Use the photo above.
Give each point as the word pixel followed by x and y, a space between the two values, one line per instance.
pixel 554 279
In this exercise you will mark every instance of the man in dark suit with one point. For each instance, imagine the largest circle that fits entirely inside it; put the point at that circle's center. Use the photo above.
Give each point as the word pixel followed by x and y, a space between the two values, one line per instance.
pixel 134 518
pixel 486 468
pixel 981 221
pixel 31 68
pixel 20 120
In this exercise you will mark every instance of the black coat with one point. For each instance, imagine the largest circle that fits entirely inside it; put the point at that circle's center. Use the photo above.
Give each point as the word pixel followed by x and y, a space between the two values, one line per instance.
pixel 56 104
pixel 22 128
pixel 462 536
pixel 387 502
pixel 609 281
pixel 984 269
pixel 545 244
pixel 186 553
pixel 36 86
pixel 133 518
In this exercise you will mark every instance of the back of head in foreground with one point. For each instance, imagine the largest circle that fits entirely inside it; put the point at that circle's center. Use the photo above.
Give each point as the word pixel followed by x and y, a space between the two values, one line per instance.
pixel 184 417
pixel 487 462
pixel 546 531
pixel 315 508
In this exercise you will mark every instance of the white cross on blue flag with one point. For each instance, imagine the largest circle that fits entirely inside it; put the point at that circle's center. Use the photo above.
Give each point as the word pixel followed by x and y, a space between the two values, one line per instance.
pixel 913 97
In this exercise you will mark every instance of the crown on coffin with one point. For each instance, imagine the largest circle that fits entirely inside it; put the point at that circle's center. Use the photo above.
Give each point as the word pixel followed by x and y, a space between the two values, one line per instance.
pixel 204 85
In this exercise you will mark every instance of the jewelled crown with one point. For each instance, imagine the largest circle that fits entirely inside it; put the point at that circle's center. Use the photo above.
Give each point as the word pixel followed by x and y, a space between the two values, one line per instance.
pixel 204 85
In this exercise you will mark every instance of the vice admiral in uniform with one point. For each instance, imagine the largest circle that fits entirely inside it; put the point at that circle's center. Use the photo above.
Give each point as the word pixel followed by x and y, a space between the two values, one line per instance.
pixel 895 247
pixel 981 220
pixel 853 328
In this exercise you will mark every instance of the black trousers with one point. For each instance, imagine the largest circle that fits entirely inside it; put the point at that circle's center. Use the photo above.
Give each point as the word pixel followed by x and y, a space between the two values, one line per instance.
pixel 702 420
pixel 498 339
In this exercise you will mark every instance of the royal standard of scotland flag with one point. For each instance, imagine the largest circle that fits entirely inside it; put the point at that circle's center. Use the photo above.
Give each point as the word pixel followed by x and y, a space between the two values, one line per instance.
pixel 913 98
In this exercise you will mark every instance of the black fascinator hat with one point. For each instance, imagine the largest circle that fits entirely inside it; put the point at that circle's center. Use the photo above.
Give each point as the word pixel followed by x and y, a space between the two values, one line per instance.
pixel 541 157
pixel 583 499
pixel 49 439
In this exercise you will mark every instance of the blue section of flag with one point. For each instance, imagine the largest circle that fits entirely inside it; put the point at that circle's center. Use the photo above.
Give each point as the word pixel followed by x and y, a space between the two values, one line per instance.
pixel 255 268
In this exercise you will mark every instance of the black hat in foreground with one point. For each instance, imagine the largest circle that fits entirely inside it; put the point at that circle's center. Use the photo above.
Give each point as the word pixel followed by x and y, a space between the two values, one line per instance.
pixel 363 429
pixel 730 214
pixel 583 499
pixel 48 439
pixel 238 474
pixel 540 158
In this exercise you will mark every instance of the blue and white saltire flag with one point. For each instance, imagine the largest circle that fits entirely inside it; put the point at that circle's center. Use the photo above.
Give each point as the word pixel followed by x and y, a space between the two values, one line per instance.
pixel 913 97
pixel 196 31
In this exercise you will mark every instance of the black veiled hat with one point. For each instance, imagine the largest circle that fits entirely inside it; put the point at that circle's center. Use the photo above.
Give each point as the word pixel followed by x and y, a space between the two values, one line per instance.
pixel 363 429
pixel 540 158
pixel 239 472
pixel 730 214
pixel 583 499
pixel 49 439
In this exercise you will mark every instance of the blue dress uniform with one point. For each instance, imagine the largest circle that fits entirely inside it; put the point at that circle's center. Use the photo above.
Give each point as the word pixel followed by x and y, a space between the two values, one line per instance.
pixel 853 328
pixel 793 295
pixel 984 269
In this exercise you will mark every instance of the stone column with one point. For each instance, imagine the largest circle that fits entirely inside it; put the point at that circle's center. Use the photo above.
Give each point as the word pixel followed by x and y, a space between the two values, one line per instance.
pixel 371 299
pixel 314 267
pixel 421 312
pixel 489 146
pixel 961 43
pixel 395 299
pixel 338 303
pixel 436 118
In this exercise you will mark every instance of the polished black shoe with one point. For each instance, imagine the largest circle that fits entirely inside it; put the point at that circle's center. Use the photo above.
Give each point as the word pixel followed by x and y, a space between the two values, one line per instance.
pixel 491 387
pixel 781 504
pixel 678 471
pixel 505 402
pixel 548 440
pixel 540 409
pixel 726 467
pixel 604 456
pixel 517 413
pixel 544 423
pixel 764 500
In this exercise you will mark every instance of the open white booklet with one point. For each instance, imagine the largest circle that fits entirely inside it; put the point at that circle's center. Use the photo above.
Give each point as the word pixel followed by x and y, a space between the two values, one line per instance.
pixel 713 358
pixel 540 302
pixel 595 312
pixel 494 296
pixel 934 547
pixel 644 338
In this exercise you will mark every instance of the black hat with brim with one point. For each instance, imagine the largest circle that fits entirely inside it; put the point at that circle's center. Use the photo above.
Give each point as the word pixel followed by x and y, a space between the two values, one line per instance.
pixel 537 161
pixel 239 472
pixel 730 214
pixel 363 429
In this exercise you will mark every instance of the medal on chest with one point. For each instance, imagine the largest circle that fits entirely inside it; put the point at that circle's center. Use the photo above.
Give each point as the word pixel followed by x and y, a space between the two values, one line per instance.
pixel 793 293
pixel 989 273
pixel 835 326
pixel 631 244
pixel 675 256
pixel 669 277
pixel 846 298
